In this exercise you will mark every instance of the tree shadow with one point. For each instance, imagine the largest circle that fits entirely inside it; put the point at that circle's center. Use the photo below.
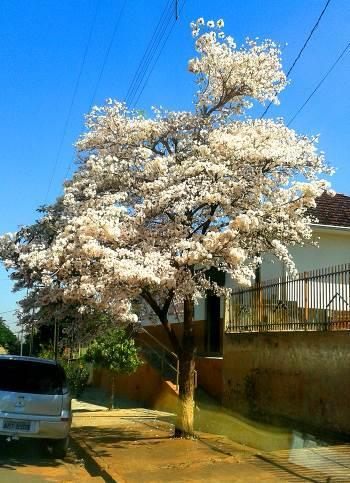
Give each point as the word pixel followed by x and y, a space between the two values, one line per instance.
pixel 116 438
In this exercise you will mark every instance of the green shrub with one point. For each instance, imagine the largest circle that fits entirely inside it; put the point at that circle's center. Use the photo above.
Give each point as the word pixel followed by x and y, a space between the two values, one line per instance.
pixel 77 373
pixel 46 353
pixel 116 352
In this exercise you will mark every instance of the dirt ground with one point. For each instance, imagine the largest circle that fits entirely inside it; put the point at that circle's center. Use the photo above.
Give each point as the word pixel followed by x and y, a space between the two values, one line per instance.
pixel 27 461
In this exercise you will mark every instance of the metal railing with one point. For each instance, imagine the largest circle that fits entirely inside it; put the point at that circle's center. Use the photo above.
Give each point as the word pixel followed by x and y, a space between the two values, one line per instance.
pixel 160 356
pixel 316 300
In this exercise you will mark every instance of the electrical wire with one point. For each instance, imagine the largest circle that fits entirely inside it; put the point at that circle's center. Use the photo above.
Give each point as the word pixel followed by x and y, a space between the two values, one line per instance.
pixel 143 85
pixel 301 50
pixel 145 60
pixel 153 66
pixel 107 53
pixel 319 84
pixel 74 95
pixel 102 69
pixel 149 52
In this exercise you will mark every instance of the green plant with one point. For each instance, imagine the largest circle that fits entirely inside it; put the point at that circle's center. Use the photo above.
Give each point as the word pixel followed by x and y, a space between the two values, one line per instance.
pixel 46 353
pixel 77 373
pixel 116 352
pixel 7 338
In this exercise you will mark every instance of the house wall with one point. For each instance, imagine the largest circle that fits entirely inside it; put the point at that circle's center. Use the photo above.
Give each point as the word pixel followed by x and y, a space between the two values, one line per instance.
pixel 296 376
pixel 210 377
pixel 333 249
pixel 200 312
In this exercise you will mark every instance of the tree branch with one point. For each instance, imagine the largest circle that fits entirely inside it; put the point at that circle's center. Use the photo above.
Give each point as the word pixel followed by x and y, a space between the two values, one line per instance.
pixel 163 317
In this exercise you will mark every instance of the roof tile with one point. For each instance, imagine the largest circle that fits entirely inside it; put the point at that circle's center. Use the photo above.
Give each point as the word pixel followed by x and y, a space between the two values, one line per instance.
pixel 332 210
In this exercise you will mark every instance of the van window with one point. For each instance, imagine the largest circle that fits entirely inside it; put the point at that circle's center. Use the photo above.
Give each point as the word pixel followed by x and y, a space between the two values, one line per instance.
pixel 31 377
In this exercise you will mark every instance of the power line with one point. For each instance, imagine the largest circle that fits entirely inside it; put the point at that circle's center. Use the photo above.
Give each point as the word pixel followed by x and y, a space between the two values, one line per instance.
pixel 146 54
pixel 107 53
pixel 75 91
pixel 301 50
pixel 102 69
pixel 178 11
pixel 154 64
pixel 149 51
pixel 320 83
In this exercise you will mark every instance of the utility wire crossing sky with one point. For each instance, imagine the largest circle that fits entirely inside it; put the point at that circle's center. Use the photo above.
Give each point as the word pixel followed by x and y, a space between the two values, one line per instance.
pixel 54 71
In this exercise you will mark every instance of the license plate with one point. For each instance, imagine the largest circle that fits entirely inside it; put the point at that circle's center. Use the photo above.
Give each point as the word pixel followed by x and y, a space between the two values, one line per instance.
pixel 16 425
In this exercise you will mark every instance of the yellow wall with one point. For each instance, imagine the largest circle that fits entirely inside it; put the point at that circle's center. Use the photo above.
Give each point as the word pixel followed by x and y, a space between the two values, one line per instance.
pixel 298 376
pixel 210 377
pixel 145 386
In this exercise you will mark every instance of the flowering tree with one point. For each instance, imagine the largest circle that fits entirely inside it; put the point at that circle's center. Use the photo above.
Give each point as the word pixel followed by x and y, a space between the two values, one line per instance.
pixel 158 201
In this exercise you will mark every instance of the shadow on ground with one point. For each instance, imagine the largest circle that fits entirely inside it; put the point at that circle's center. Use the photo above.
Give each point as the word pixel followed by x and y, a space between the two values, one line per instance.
pixel 27 452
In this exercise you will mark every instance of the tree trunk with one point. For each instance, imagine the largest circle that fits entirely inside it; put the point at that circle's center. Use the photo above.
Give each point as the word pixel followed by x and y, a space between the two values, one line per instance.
pixel 185 416
pixel 112 390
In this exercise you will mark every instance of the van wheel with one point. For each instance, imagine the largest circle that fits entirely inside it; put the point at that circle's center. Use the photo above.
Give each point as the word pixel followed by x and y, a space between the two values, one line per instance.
pixel 59 447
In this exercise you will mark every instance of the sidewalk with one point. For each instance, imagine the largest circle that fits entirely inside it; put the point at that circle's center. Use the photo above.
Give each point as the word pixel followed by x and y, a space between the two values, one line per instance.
pixel 136 446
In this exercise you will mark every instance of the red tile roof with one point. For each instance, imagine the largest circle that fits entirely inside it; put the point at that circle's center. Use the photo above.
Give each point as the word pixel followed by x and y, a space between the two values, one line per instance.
pixel 332 210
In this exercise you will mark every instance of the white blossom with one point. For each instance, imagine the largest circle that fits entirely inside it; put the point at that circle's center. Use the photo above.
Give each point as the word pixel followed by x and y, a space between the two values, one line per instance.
pixel 157 201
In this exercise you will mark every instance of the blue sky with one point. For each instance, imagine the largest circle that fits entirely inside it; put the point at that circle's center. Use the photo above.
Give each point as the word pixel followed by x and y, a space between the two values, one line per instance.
pixel 41 47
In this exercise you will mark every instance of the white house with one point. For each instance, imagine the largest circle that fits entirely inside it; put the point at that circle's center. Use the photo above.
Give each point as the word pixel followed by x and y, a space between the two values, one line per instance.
pixel 332 234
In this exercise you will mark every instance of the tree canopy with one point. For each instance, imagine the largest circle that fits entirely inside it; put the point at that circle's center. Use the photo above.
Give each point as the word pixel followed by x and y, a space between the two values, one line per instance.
pixel 8 340
pixel 159 200
pixel 116 352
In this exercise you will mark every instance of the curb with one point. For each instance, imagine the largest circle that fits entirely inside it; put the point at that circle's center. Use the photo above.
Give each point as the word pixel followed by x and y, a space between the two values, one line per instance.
pixel 95 464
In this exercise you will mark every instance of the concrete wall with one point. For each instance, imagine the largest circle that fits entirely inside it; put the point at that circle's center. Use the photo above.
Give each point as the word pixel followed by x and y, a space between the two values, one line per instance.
pixel 210 377
pixel 144 386
pixel 299 376
pixel 209 369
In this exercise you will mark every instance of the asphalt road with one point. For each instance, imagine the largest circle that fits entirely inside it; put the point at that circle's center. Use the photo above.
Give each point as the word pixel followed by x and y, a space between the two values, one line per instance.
pixel 28 461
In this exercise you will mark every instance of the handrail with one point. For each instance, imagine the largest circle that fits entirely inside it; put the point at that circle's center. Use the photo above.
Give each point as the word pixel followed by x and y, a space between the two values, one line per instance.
pixel 319 273
pixel 157 354
pixel 167 350
pixel 157 341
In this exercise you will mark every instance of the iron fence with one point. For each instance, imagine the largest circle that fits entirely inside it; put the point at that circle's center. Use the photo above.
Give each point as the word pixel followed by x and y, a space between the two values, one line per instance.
pixel 316 300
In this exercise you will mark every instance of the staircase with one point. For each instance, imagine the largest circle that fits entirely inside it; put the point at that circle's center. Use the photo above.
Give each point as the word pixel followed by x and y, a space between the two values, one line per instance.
pixel 159 356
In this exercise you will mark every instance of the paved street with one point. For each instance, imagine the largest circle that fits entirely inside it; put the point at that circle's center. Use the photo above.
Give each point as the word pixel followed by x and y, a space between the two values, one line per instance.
pixel 27 461
pixel 105 442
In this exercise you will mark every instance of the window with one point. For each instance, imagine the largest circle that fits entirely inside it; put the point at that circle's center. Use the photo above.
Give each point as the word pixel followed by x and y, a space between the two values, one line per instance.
pixel 31 377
